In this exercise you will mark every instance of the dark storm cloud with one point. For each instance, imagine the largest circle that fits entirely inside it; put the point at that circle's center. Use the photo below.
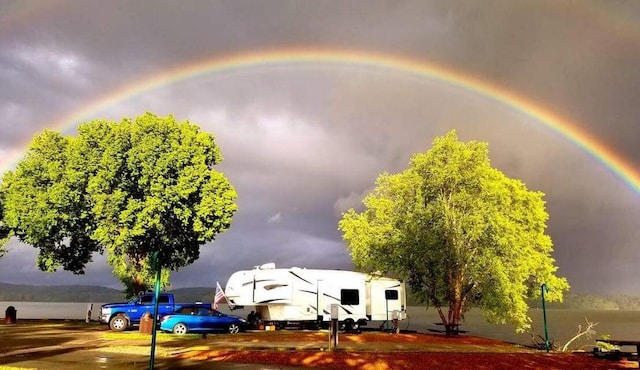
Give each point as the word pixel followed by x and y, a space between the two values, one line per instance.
pixel 565 56
pixel 301 144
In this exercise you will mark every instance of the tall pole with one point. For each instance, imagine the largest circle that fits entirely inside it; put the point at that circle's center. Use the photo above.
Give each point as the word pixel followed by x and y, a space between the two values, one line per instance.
pixel 544 288
pixel 386 305
pixel 318 317
pixel 156 266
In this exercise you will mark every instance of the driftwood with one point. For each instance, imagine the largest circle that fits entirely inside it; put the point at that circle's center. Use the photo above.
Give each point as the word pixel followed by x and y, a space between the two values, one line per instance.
pixel 587 332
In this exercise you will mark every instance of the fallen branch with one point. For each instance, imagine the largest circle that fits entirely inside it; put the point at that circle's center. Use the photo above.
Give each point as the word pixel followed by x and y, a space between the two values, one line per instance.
pixel 588 333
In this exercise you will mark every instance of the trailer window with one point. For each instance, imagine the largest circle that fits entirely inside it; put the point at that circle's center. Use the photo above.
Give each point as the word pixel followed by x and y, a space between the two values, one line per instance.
pixel 391 295
pixel 350 296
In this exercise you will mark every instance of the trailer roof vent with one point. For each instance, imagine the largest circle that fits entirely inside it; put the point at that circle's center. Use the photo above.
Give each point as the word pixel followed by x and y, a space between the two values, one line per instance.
pixel 266 266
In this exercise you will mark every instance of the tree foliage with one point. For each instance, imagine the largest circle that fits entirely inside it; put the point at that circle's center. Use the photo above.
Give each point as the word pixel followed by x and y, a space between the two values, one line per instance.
pixel 460 232
pixel 126 188
pixel 5 232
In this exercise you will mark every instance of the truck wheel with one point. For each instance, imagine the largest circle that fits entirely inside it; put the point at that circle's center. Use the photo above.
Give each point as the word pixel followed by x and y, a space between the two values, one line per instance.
pixel 118 323
pixel 180 328
pixel 233 329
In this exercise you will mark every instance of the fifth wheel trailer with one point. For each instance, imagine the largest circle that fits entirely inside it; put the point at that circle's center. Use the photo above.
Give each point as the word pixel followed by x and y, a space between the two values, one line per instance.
pixel 299 295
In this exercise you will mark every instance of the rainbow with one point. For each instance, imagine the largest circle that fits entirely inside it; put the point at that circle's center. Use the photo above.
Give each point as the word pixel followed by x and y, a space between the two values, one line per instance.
pixel 284 57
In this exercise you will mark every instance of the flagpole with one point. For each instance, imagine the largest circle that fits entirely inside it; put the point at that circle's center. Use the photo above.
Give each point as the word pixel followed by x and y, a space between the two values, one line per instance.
pixel 231 306
pixel 217 298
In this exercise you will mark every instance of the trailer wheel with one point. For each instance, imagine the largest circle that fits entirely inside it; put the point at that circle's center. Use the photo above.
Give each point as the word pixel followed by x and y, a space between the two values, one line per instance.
pixel 350 325
pixel 118 322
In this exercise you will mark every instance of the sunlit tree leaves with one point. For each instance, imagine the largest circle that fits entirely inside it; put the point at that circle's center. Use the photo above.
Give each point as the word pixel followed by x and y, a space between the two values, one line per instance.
pixel 460 232
pixel 127 188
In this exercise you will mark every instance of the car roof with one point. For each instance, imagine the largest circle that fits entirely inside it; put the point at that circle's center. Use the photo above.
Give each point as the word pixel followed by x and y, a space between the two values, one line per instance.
pixel 194 305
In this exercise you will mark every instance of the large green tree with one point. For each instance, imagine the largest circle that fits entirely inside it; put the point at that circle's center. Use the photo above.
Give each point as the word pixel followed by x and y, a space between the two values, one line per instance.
pixel 128 188
pixel 460 232
pixel 5 232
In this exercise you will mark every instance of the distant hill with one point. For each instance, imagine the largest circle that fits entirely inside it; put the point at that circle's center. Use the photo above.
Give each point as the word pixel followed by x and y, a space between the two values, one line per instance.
pixel 584 301
pixel 87 293
pixel 201 294
pixel 577 301
pixel 59 293
pixel 100 294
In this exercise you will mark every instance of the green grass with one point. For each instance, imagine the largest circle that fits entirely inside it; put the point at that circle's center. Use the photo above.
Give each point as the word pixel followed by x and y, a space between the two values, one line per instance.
pixel 161 337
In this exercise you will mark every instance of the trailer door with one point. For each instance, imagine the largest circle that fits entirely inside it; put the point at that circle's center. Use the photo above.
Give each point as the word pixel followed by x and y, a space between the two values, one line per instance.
pixel 386 296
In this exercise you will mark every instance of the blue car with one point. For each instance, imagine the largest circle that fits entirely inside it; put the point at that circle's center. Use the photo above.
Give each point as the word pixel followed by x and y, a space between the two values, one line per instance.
pixel 198 319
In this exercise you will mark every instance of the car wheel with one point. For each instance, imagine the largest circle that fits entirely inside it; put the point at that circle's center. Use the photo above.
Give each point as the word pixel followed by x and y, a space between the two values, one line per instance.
pixel 118 323
pixel 180 328
pixel 233 329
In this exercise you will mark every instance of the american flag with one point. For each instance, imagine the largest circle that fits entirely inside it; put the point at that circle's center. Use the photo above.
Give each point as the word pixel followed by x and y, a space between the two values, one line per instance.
pixel 218 297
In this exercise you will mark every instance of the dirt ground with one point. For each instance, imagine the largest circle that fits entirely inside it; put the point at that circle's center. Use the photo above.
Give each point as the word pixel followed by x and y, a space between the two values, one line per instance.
pixel 68 344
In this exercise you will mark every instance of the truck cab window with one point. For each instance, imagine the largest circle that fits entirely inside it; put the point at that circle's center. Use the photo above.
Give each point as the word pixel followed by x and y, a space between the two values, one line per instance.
pixel 146 299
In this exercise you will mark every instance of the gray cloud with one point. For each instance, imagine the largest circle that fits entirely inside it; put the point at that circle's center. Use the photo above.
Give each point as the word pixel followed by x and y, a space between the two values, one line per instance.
pixel 303 143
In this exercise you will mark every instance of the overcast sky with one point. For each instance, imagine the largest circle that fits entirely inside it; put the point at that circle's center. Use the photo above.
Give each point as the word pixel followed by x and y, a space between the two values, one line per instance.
pixel 303 142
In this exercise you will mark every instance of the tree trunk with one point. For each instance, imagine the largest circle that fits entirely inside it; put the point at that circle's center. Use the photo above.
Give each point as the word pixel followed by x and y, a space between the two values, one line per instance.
pixel 138 282
pixel 138 285
pixel 455 305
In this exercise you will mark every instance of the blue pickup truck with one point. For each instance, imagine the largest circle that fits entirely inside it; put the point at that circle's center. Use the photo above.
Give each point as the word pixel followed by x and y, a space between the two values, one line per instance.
pixel 121 316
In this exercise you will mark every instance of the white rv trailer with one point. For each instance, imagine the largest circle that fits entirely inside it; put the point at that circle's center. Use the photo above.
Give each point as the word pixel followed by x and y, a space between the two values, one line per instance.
pixel 285 295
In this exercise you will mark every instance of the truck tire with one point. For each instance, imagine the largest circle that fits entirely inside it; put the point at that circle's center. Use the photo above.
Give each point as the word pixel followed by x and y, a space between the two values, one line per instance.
pixel 233 329
pixel 118 323
pixel 180 329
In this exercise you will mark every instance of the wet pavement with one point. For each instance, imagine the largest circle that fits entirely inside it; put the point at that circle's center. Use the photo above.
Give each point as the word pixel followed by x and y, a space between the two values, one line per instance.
pixel 75 345
pixel 91 359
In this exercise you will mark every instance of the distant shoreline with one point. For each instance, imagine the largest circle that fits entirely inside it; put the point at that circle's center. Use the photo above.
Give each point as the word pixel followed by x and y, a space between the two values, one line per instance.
pixel 92 293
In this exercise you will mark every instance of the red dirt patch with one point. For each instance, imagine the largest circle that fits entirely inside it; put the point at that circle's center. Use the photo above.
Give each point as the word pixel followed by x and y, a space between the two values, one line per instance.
pixel 412 360
pixel 463 352
pixel 369 337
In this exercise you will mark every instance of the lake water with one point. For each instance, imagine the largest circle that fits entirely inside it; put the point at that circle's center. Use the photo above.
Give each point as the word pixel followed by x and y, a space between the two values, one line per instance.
pixel 562 323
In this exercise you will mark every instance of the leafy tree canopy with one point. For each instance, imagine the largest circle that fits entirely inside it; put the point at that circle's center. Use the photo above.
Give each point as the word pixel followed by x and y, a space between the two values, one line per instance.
pixel 5 232
pixel 460 232
pixel 126 188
